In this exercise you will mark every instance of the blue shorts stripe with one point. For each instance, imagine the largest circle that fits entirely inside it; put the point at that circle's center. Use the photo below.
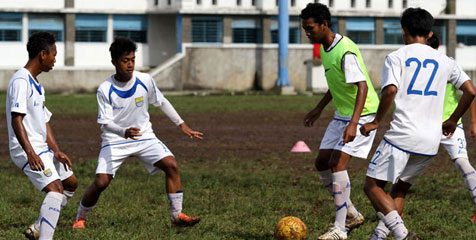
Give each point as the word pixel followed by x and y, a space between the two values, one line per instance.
pixel 397 147
pixel 49 150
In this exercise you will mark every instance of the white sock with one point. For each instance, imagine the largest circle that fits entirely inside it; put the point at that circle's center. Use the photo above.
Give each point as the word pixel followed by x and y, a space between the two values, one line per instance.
pixel 341 188
pixel 381 231
pixel 394 222
pixel 83 211
pixel 175 203
pixel 66 196
pixel 469 176
pixel 49 214
pixel 326 179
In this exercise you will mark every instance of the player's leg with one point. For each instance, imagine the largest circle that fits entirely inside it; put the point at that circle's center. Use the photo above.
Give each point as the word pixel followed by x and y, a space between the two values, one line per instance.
pixel 50 209
pixel 340 187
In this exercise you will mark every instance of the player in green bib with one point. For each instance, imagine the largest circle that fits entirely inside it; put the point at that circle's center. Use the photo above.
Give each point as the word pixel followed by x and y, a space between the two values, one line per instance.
pixel 356 101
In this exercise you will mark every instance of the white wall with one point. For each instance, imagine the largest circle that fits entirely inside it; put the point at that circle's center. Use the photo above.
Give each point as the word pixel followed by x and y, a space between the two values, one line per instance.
pixel 111 5
pixel 43 4
pixel 15 54
pixel 466 57
pixel 97 55
pixel 466 8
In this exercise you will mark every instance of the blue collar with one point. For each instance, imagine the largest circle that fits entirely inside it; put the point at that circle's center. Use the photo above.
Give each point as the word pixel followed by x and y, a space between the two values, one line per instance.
pixel 128 93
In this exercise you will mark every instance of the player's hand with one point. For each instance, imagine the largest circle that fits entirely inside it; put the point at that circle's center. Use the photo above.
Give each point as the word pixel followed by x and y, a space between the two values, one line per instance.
pixel 449 127
pixel 35 162
pixel 368 127
pixel 132 133
pixel 63 158
pixel 191 133
pixel 349 133
pixel 472 130
pixel 311 117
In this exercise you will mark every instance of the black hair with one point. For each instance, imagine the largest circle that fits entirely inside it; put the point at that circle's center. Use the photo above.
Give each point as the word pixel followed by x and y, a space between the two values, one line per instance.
pixel 39 41
pixel 120 46
pixel 434 41
pixel 417 21
pixel 318 11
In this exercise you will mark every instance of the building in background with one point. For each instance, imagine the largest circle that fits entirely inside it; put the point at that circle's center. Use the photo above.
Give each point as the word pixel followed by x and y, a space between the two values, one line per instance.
pixel 212 44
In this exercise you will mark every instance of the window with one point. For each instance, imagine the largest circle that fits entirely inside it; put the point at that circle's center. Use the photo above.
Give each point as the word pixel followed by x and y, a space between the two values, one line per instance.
pixel 156 2
pixel 207 29
pixel 390 3
pixel 51 23
pixel 131 26
pixel 392 31
pixel 352 3
pixel 214 2
pixel 294 30
pixel 10 26
pixel 169 2
pixel 293 3
pixel 238 2
pixel 361 30
pixel 277 2
pixel 334 24
pixel 316 1
pixel 331 3
pixel 199 2
pixel 246 31
pixel 466 32
pixel 368 4
pixel 404 4
pixel 253 2
pixel 439 28
pixel 91 27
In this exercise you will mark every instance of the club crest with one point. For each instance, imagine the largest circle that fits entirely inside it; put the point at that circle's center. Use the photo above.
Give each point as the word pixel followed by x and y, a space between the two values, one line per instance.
pixel 48 172
pixel 139 101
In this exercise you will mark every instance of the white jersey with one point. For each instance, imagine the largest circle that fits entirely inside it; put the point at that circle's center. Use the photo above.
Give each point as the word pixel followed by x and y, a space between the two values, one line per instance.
pixel 26 96
pixel 127 106
pixel 420 73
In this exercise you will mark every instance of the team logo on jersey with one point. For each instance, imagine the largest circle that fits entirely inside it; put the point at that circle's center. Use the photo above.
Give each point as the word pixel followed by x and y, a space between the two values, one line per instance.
pixel 48 172
pixel 139 101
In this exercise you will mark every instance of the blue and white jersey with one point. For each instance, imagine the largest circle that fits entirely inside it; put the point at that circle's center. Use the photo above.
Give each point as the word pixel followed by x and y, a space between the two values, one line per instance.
pixel 126 105
pixel 420 73
pixel 27 96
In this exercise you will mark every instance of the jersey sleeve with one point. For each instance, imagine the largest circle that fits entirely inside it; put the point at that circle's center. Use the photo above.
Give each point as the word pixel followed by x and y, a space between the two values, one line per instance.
pixel 458 76
pixel 104 109
pixel 391 72
pixel 47 113
pixel 155 96
pixel 352 69
pixel 18 93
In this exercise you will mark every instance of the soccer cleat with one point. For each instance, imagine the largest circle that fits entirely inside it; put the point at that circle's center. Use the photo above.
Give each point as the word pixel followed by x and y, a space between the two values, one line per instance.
pixel 355 222
pixel 31 233
pixel 79 223
pixel 411 236
pixel 334 234
pixel 183 220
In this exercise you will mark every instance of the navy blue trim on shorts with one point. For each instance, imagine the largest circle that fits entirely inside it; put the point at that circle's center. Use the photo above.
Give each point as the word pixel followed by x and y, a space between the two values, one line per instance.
pixel 397 147
pixel 49 150
pixel 460 126
pixel 113 144
pixel 347 121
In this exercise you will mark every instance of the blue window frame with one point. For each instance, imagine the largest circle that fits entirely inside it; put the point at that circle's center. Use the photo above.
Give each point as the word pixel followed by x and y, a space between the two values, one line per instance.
pixel 361 30
pixel 10 27
pixel 439 27
pixel 294 30
pixel 91 27
pixel 51 23
pixel 334 24
pixel 246 30
pixel 466 32
pixel 131 26
pixel 207 29
pixel 392 31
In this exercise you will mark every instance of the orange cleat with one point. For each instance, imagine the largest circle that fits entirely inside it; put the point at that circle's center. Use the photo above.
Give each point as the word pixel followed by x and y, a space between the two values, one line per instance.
pixel 474 219
pixel 183 220
pixel 79 223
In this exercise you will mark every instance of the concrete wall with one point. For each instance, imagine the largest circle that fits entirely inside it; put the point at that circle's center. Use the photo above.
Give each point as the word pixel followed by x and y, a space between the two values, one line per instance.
pixel 97 55
pixel 111 5
pixel 161 38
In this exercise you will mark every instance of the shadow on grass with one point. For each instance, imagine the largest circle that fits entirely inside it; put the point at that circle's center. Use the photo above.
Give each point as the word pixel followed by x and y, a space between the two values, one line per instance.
pixel 246 236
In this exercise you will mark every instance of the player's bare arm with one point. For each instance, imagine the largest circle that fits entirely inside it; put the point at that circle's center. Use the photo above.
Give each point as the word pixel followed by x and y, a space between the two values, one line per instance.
pixel 132 133
pixel 469 92
pixel 315 113
pixel 351 129
pixel 386 100
pixel 191 133
pixel 59 155
pixel 33 160
pixel 472 126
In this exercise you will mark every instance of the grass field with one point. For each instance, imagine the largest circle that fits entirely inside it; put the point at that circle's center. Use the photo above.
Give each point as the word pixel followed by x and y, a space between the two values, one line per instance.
pixel 236 197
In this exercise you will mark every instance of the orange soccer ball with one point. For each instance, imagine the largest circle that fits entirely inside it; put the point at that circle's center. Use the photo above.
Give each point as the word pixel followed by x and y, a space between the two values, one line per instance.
pixel 290 228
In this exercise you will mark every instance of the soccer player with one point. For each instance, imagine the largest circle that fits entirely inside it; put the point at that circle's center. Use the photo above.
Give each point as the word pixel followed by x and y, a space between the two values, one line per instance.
pixel 352 93
pixel 415 77
pixel 32 144
pixel 123 102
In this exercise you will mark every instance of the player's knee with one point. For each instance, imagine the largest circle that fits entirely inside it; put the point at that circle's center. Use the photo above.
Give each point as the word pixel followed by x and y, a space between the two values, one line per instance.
pixel 368 186
pixel 55 186
pixel 70 184
pixel 321 164
pixel 101 183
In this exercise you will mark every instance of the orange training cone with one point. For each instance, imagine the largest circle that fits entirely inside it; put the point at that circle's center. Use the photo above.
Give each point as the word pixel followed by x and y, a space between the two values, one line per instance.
pixel 300 146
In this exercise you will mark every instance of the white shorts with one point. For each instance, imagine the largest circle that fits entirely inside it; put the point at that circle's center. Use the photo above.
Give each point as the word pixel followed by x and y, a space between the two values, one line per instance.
pixel 456 145
pixel 361 145
pixel 54 170
pixel 391 164
pixel 149 152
